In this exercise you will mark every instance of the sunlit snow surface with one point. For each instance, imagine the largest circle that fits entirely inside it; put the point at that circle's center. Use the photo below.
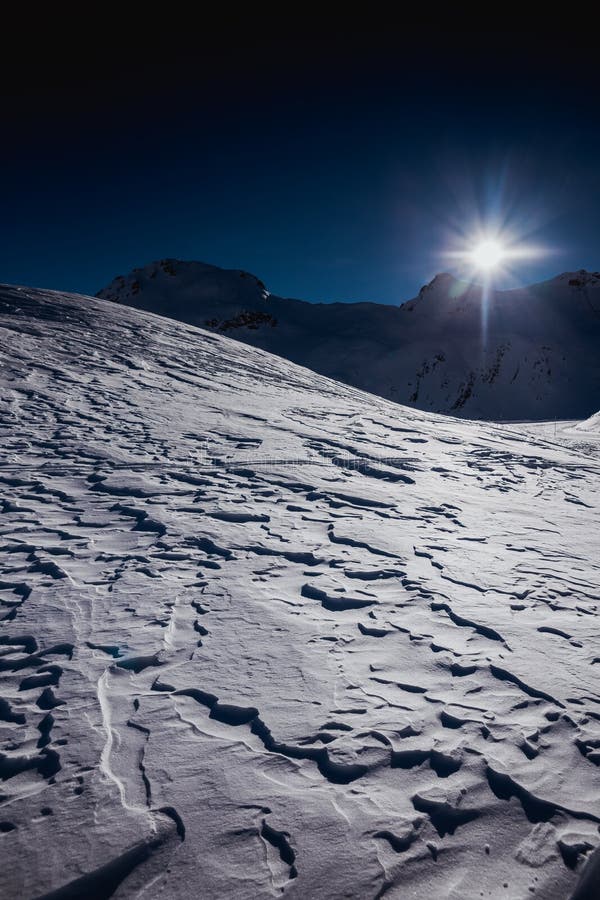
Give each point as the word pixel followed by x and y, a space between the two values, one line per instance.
pixel 264 634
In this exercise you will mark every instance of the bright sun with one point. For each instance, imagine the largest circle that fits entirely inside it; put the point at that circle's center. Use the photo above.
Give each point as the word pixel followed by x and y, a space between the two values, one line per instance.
pixel 487 255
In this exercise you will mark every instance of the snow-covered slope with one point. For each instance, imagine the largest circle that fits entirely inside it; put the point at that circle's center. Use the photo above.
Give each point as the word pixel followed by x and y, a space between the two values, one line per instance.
pixel 265 635
pixel 590 425
pixel 540 357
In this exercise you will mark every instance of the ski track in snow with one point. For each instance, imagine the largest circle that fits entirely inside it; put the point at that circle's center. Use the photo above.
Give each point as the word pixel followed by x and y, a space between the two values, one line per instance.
pixel 263 634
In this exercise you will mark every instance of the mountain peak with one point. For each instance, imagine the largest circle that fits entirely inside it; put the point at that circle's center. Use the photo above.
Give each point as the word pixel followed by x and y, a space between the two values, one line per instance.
pixel 445 284
pixel 442 279
pixel 184 282
pixel 579 278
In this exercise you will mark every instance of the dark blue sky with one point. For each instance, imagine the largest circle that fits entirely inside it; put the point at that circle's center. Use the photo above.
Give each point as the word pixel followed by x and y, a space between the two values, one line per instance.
pixel 334 163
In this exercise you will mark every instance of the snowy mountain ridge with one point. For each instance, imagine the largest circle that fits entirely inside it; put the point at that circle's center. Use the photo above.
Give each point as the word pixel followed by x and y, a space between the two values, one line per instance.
pixel 531 353
pixel 263 634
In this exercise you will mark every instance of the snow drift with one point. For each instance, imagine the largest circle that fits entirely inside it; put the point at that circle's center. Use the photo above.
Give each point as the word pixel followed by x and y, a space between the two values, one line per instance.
pixel 263 634
pixel 590 425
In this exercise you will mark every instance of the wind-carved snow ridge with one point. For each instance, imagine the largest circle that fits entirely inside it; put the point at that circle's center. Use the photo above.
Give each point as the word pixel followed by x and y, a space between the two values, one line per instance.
pixel 112 737
pixel 262 634
pixel 104 765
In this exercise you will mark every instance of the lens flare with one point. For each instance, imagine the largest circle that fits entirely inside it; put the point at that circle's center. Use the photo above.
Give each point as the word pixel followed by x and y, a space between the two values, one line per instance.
pixel 492 255
pixel 488 255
